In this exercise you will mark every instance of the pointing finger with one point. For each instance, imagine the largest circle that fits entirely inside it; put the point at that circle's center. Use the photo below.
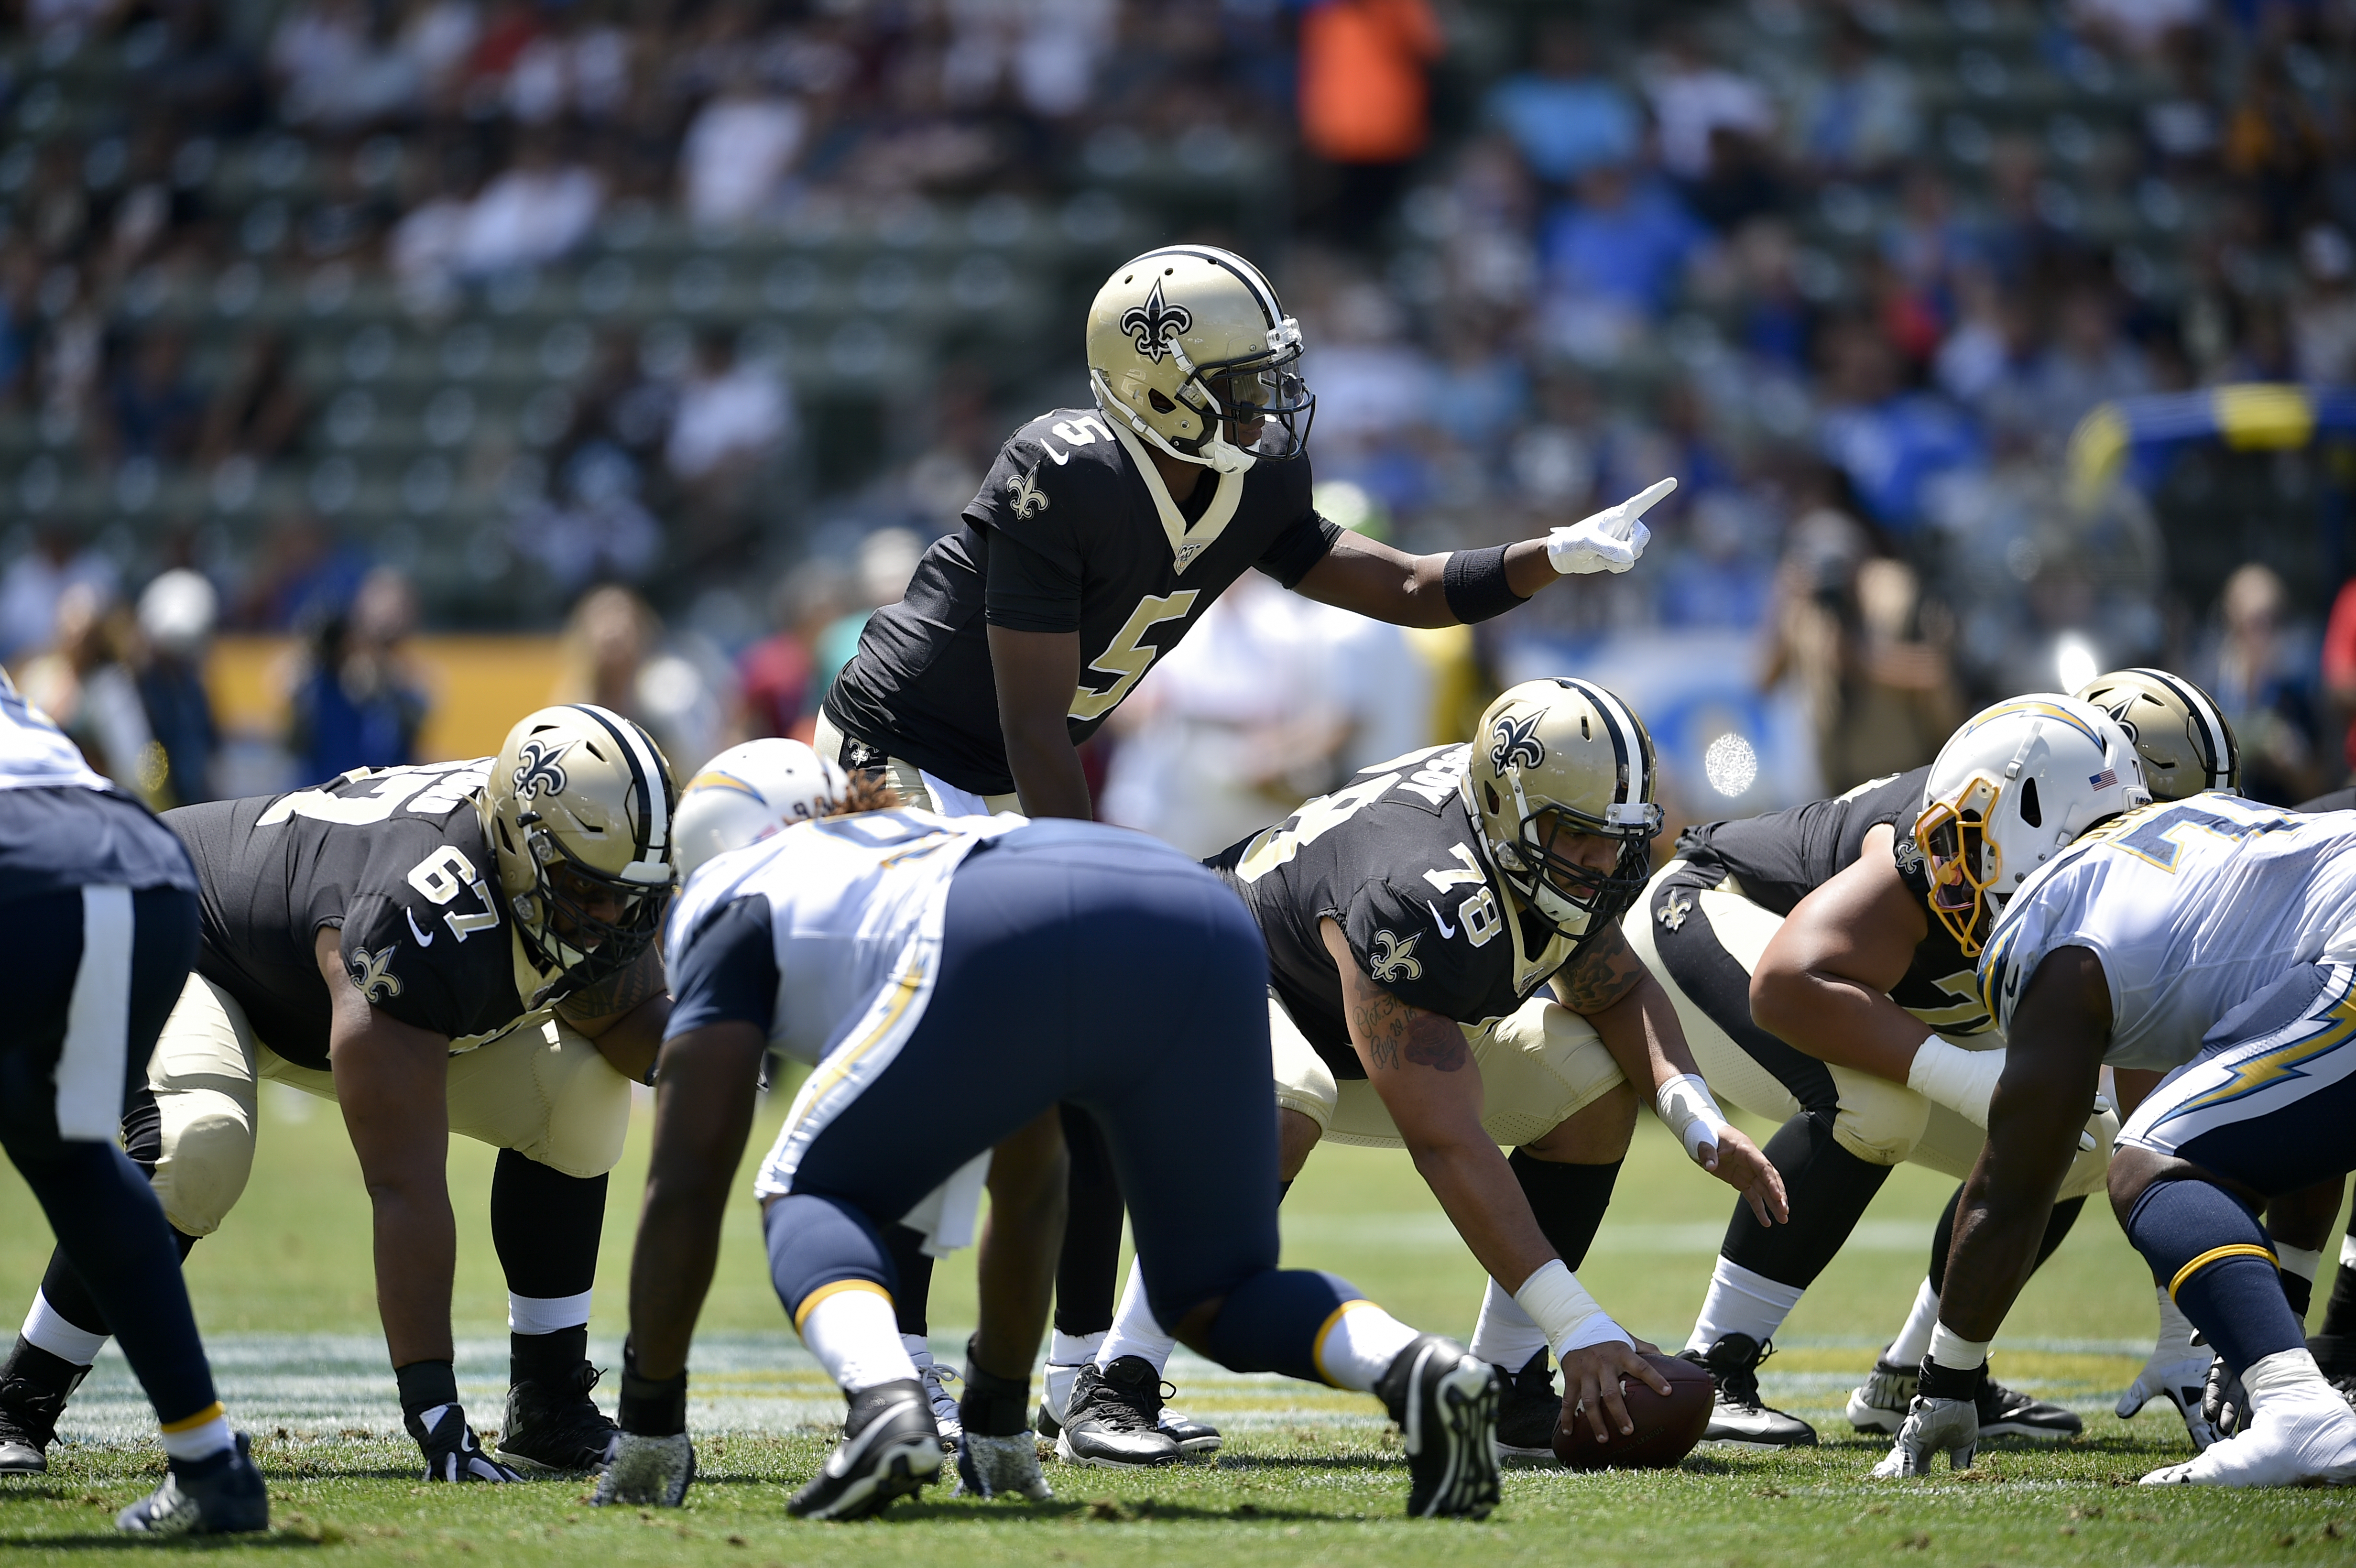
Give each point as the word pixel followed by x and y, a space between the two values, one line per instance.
pixel 1636 506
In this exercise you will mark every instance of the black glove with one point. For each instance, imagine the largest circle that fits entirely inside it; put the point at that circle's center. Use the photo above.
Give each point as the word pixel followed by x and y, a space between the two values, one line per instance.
pixel 452 1453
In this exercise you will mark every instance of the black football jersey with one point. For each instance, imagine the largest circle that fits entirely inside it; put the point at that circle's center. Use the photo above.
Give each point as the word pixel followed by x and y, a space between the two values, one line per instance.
pixel 1784 856
pixel 395 858
pixel 1394 859
pixel 1066 534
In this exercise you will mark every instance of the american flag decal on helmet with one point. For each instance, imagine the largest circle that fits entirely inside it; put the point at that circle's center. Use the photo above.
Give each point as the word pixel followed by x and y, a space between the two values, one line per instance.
pixel 2104 780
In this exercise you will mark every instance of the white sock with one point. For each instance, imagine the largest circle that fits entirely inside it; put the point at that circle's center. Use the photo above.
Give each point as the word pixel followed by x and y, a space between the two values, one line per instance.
pixel 2301 1261
pixel 2285 1374
pixel 851 1328
pixel 204 1433
pixel 1074 1349
pixel 1134 1331
pixel 546 1314
pixel 1506 1335
pixel 2348 1250
pixel 60 1338
pixel 920 1348
pixel 1360 1344
pixel 1741 1302
pixel 1913 1341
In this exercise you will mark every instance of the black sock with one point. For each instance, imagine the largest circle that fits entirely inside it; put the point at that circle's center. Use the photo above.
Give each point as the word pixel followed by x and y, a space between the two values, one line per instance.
pixel 546 1358
pixel 1089 1266
pixel 1568 1201
pixel 1829 1188
pixel 2339 1313
pixel 2057 1229
pixel 71 1299
pixel 2299 1293
pixel 913 1299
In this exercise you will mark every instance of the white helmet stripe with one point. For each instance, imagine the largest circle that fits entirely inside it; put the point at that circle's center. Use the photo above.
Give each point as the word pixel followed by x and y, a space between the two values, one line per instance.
pixel 654 810
pixel 2213 724
pixel 1627 744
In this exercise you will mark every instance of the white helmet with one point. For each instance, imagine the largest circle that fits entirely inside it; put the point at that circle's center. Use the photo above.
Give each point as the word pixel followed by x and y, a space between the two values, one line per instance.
pixel 2009 792
pixel 747 792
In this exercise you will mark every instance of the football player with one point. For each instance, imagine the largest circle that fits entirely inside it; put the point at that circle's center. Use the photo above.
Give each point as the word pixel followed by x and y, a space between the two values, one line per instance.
pixel 1815 988
pixel 2211 936
pixel 991 965
pixel 1100 535
pixel 98 913
pixel 465 947
pixel 1414 920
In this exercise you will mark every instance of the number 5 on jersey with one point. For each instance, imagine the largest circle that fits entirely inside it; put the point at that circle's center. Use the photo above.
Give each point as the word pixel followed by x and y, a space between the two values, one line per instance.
pixel 1126 658
pixel 442 876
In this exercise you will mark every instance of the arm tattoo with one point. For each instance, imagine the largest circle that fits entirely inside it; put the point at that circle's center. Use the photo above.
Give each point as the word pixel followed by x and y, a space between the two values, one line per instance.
pixel 617 994
pixel 1601 975
pixel 1391 1028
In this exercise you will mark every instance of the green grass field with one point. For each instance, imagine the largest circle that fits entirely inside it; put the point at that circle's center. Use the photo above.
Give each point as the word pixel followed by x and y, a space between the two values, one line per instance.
pixel 1310 1476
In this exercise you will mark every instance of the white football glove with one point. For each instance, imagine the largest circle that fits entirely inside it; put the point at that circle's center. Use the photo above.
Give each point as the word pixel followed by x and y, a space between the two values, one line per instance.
pixel 1932 1426
pixel 646 1472
pixel 1000 1466
pixel 1611 540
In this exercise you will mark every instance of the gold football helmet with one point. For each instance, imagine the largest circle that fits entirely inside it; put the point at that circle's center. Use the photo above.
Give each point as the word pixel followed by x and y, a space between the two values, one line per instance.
pixel 578 811
pixel 1570 749
pixel 1189 348
pixel 2177 730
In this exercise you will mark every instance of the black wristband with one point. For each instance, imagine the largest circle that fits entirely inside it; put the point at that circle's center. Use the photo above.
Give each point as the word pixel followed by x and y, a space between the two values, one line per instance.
pixel 993 1406
pixel 1474 583
pixel 651 1407
pixel 425 1384
pixel 1950 1383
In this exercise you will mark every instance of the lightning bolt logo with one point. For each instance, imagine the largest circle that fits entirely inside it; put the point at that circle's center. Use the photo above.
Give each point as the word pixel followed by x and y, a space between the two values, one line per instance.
pixel 2279 1064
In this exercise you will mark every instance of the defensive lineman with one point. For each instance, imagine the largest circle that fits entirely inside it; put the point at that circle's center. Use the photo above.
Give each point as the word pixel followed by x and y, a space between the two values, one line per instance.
pixel 354 946
pixel 994 967
pixel 98 909
pixel 1411 920
pixel 1100 535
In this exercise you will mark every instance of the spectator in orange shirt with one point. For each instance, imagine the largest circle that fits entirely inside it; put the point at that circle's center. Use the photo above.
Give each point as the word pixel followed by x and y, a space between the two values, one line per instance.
pixel 1365 104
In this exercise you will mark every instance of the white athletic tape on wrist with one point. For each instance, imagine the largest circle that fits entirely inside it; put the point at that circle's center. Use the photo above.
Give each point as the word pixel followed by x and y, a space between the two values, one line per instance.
pixel 1564 1312
pixel 1687 1111
pixel 1949 1348
pixel 1962 1081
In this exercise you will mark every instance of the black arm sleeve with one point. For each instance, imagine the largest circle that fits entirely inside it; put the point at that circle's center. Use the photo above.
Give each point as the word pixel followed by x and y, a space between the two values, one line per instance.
pixel 728 971
pixel 1025 591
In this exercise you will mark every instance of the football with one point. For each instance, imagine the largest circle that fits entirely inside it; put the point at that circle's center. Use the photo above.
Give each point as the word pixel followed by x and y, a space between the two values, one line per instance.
pixel 1667 1427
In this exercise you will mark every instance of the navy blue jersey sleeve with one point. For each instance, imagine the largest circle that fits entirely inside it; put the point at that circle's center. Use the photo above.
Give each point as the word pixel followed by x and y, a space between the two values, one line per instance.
pixel 727 971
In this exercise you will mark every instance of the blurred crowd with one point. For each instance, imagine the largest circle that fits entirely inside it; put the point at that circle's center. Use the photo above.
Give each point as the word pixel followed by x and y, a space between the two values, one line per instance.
pixel 1542 256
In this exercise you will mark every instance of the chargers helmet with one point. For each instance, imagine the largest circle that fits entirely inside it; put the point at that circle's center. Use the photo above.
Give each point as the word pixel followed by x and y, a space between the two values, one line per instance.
pixel 578 810
pixel 1189 348
pixel 747 792
pixel 1572 749
pixel 2009 792
pixel 2179 732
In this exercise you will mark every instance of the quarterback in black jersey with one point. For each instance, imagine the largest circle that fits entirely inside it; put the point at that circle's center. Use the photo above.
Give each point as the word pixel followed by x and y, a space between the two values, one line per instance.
pixel 1415 921
pixel 459 947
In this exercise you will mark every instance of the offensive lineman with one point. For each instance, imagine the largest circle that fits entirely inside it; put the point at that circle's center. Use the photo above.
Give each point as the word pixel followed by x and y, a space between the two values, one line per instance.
pixel 1100 535
pixel 991 965
pixel 97 909
pixel 1815 986
pixel 354 948
pixel 2212 936
pixel 1410 920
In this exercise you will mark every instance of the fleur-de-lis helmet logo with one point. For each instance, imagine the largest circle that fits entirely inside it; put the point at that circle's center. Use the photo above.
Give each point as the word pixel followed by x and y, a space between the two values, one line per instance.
pixel 1516 740
pixel 539 770
pixel 1154 324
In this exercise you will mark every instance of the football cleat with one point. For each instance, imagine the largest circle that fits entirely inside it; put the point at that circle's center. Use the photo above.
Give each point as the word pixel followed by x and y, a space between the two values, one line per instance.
pixel 2306 1437
pixel 1056 1396
pixel 1445 1402
pixel 34 1388
pixel 1527 1410
pixel 1880 1404
pixel 1737 1416
pixel 1114 1419
pixel 945 1419
pixel 890 1448
pixel 648 1472
pixel 553 1427
pixel 1194 1438
pixel 220 1493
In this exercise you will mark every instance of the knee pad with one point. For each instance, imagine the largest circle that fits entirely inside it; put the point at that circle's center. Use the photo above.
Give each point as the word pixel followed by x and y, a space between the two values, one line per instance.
pixel 1273 1322
pixel 815 1242
pixel 207 1160
pixel 1878 1121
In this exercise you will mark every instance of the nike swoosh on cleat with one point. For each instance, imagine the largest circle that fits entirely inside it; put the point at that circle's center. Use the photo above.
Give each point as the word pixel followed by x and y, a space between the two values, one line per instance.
pixel 424 939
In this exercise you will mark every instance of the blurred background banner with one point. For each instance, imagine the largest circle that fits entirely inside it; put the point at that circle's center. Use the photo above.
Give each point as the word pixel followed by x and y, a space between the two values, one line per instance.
pixel 373 370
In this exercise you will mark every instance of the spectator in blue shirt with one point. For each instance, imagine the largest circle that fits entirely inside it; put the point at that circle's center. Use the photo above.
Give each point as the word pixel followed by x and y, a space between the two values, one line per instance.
pixel 1624 242
pixel 1565 118
pixel 1888 441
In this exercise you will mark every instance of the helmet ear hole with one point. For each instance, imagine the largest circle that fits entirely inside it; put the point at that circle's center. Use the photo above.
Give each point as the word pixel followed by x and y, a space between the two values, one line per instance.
pixel 2030 812
pixel 1490 791
pixel 1160 404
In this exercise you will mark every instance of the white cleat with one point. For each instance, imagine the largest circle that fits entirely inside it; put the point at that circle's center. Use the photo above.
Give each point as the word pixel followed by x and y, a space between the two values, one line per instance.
pixel 2300 1438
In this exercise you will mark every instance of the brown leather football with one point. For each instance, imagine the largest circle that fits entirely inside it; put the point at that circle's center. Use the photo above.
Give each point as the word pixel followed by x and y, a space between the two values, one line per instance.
pixel 1667 1427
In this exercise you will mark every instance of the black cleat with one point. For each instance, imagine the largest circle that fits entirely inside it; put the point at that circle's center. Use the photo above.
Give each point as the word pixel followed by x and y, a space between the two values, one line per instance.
pixel 1527 1410
pixel 1736 1414
pixel 34 1388
pixel 1446 1404
pixel 1113 1420
pixel 2008 1412
pixel 890 1448
pixel 1195 1439
pixel 553 1427
pixel 221 1494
